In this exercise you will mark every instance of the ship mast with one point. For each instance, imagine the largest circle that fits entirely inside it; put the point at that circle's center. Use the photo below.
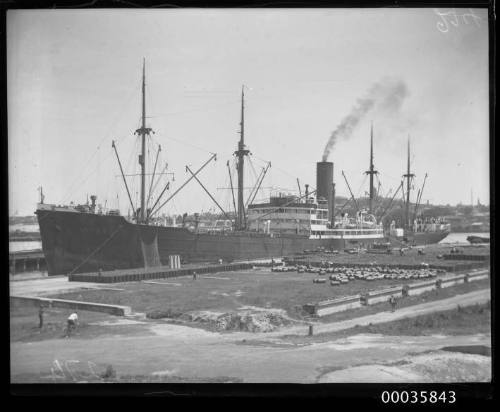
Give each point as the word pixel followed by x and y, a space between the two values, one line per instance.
pixel 408 177
pixel 371 172
pixel 241 153
pixel 143 131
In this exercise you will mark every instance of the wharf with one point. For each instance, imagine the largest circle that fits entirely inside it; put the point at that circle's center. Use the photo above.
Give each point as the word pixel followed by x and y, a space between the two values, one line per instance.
pixel 26 260
pixel 159 272
pixel 460 256
pixel 458 267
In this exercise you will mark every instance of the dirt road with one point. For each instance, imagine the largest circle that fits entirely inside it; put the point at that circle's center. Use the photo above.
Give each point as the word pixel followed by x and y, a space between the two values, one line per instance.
pixel 49 286
pixel 191 353
pixel 480 296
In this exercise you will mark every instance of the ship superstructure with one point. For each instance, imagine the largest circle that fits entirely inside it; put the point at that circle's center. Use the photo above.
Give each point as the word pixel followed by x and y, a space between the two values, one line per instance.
pixel 86 237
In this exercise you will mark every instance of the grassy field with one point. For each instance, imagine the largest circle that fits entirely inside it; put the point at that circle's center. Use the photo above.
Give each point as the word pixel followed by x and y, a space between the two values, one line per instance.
pixel 192 295
pixel 408 301
pixel 460 321
pixel 228 291
pixel 24 324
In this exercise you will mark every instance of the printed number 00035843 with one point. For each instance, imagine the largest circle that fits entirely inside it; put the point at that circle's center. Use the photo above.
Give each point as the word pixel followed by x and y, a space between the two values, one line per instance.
pixel 418 397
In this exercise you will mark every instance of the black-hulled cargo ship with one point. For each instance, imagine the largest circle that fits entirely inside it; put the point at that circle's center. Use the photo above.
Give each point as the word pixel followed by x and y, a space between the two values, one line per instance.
pixel 85 238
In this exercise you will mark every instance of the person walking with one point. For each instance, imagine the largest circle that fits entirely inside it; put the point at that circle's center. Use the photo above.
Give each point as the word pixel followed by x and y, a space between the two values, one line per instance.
pixel 392 301
pixel 72 322
pixel 40 317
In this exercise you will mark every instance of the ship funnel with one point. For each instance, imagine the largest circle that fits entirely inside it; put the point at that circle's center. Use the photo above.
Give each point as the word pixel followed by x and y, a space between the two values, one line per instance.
pixel 93 198
pixel 324 185
pixel 332 215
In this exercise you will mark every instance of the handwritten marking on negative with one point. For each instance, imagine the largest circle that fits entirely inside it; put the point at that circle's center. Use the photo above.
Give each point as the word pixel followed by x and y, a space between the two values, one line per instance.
pixel 65 370
pixel 454 18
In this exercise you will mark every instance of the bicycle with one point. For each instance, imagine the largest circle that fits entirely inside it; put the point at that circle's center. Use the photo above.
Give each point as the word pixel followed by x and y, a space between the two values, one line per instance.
pixel 71 326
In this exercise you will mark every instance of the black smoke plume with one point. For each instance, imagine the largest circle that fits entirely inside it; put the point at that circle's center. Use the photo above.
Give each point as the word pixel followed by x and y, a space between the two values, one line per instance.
pixel 386 96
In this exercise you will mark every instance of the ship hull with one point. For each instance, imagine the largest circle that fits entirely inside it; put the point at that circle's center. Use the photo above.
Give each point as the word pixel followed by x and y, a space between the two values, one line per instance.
pixel 420 238
pixel 477 240
pixel 76 242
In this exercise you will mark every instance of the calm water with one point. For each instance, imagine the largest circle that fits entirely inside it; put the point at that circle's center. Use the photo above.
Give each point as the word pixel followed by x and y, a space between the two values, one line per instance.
pixel 461 237
pixel 24 245
pixel 24 228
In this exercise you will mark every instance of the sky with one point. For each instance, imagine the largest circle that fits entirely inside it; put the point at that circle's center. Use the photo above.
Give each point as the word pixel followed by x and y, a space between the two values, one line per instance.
pixel 74 86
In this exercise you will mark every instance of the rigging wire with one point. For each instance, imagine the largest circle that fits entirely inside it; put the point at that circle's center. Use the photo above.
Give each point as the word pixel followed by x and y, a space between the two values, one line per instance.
pixel 261 189
pixel 361 186
pixel 276 168
pixel 155 178
pixel 201 109
pixel 132 156
pixel 112 126
pixel 131 168
pixel 188 144
pixel 85 179
pixel 254 172
pixel 97 249
pixel 156 183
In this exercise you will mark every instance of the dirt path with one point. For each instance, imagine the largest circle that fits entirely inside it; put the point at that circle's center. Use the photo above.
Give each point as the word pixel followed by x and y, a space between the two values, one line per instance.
pixel 425 367
pixel 190 357
pixel 49 286
pixel 197 354
pixel 471 298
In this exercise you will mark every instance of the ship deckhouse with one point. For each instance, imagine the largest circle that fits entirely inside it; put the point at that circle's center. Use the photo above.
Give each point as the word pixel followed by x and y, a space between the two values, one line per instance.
pixel 288 215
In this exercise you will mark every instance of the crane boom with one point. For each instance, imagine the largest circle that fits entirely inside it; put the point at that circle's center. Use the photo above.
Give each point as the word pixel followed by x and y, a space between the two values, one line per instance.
pixel 123 176
pixel 214 156
pixel 350 191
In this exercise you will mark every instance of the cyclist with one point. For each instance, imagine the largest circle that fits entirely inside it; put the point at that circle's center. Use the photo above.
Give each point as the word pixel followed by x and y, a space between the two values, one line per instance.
pixel 72 322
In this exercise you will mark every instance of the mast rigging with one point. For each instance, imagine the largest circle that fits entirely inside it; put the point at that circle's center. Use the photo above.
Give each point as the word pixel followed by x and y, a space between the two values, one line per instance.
pixel 371 172
pixel 408 176
pixel 419 199
pixel 123 176
pixel 300 191
pixel 262 175
pixel 154 171
pixel 153 210
pixel 231 183
pixel 350 191
pixel 241 153
pixel 208 193
pixel 392 199
pixel 143 131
